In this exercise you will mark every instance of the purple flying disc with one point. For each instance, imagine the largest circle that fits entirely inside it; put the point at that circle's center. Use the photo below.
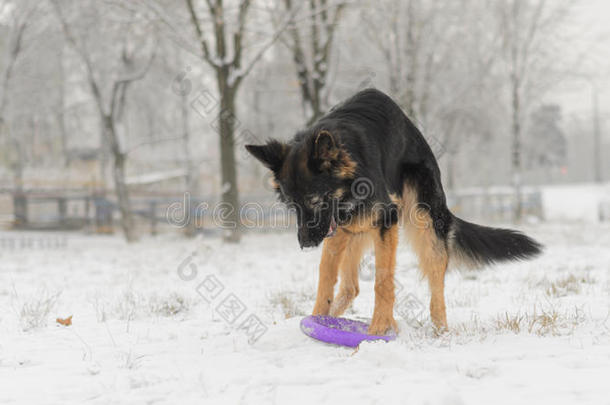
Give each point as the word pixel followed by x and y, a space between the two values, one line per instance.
pixel 339 331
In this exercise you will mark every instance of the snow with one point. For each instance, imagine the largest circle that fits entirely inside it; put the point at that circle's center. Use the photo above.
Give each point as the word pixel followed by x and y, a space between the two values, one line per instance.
pixel 155 177
pixel 577 202
pixel 142 333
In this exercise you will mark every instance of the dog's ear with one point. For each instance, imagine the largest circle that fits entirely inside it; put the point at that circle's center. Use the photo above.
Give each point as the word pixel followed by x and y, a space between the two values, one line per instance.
pixel 272 154
pixel 325 146
pixel 328 155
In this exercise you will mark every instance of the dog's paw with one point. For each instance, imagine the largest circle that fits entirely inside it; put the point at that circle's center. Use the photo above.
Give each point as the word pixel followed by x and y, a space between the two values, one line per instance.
pixel 321 308
pixel 381 325
pixel 440 329
pixel 340 304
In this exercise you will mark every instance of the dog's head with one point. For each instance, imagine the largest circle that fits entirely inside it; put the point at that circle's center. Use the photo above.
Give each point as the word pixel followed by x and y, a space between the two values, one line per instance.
pixel 313 175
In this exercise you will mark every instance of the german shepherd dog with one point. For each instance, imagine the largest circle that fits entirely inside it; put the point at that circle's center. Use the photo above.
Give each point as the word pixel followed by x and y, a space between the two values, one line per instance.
pixel 354 176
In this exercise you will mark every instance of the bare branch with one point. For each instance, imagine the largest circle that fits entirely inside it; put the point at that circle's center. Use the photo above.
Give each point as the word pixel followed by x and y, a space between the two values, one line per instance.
pixel 331 28
pixel 180 38
pixel 217 11
pixel 122 82
pixel 153 142
pixel 299 58
pixel 239 75
pixel 15 47
pixel 200 37
pixel 534 26
pixel 97 94
pixel 238 36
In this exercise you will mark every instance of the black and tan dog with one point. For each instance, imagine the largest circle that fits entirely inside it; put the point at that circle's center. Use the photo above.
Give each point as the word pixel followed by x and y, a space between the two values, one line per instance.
pixel 357 174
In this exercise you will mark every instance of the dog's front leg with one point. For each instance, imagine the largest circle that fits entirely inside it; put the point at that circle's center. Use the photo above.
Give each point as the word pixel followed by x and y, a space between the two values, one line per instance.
pixel 348 289
pixel 332 254
pixel 385 262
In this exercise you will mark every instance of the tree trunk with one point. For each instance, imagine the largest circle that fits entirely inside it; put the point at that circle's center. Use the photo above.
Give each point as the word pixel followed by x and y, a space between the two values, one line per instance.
pixel 597 142
pixel 20 208
pixel 118 173
pixel 315 108
pixel 230 195
pixel 61 112
pixel 127 223
pixel 191 180
pixel 412 68
pixel 516 150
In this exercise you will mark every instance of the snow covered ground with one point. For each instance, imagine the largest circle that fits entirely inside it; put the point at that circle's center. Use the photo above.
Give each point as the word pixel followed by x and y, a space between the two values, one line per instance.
pixel 143 332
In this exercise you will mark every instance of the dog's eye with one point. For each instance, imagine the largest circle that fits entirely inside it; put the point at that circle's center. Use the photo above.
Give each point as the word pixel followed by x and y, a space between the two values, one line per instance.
pixel 314 201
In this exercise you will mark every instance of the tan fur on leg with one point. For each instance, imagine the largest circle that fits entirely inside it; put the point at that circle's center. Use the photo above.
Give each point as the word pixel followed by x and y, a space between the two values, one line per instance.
pixel 431 251
pixel 332 254
pixel 385 263
pixel 348 289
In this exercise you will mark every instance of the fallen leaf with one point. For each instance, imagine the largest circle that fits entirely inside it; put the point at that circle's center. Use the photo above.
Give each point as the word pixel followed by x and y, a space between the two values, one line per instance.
pixel 66 322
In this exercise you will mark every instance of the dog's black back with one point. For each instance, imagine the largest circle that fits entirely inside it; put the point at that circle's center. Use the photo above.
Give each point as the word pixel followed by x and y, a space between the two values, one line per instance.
pixel 389 150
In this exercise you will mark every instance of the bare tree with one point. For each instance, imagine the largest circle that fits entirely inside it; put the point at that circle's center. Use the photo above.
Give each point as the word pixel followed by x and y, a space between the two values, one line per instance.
pixel 440 86
pixel 416 41
pixel 226 58
pixel 110 108
pixel 407 35
pixel 526 28
pixel 310 41
pixel 191 177
pixel 20 16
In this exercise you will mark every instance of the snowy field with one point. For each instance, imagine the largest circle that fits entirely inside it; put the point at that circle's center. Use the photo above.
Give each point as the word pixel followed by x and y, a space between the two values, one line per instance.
pixel 143 330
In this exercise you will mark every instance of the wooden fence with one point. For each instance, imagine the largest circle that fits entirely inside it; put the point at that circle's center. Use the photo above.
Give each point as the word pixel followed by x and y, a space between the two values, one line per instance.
pixel 97 210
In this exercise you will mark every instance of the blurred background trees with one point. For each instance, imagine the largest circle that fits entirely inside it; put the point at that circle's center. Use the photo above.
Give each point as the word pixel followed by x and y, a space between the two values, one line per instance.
pixel 129 99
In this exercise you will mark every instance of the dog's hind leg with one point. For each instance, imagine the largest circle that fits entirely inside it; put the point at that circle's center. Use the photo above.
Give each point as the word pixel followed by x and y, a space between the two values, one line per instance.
pixel 431 251
pixel 349 289
pixel 332 253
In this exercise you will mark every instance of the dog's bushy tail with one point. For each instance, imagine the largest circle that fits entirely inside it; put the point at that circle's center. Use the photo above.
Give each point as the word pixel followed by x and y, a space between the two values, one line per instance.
pixel 474 245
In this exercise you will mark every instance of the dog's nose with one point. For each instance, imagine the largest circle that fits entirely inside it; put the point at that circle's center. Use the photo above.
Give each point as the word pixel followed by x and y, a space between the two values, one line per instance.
pixel 304 239
pixel 306 243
